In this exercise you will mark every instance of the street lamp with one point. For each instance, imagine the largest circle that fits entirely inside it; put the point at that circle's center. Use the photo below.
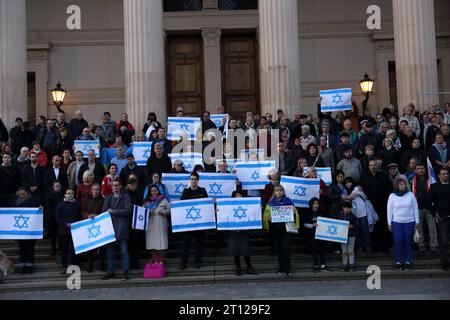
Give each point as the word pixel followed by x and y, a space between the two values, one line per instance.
pixel 366 87
pixel 58 95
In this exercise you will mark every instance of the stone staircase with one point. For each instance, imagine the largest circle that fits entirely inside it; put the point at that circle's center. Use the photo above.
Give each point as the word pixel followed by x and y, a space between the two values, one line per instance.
pixel 217 268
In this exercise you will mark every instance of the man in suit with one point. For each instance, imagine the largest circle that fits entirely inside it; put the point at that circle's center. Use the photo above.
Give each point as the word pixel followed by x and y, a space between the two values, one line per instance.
pixel 55 172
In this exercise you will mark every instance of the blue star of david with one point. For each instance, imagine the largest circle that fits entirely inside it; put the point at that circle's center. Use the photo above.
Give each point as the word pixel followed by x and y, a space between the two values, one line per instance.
pixel 147 153
pixel 255 176
pixel 337 99
pixel 184 127
pixel 191 216
pixel 188 166
pixel 332 230
pixel 180 187
pixel 87 148
pixel 240 213
pixel 300 191
pixel 94 231
pixel 215 189
pixel 21 222
pixel 141 218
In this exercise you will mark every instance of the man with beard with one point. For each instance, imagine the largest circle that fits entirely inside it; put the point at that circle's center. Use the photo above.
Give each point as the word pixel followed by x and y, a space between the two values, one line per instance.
pixel 33 178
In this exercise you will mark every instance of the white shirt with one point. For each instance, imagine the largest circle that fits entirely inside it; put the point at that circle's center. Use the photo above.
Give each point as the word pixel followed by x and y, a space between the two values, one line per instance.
pixel 56 170
pixel 402 209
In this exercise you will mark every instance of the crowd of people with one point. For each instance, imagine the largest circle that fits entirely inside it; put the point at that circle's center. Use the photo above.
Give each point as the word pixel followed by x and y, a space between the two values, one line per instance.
pixel 382 184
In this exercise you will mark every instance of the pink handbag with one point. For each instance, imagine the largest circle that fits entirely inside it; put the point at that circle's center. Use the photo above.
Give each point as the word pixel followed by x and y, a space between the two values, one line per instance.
pixel 154 271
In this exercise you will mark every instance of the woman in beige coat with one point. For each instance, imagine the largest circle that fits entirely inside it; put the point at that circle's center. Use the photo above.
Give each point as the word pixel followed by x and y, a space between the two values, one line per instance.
pixel 157 233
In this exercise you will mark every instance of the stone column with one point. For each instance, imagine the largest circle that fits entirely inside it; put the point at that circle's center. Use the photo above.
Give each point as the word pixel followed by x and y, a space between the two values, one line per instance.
pixel 13 61
pixel 280 57
pixel 415 53
pixel 145 78
pixel 213 72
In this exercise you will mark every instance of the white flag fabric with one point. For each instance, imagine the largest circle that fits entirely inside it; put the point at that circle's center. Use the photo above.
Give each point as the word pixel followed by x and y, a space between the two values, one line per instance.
pixel 149 131
pixel 193 215
pixel 189 159
pixel 178 127
pixel 218 185
pixel 218 119
pixel 332 230
pixel 140 218
pixel 21 223
pixel 301 190
pixel 336 100
pixel 324 174
pixel 239 214
pixel 87 145
pixel 254 175
pixel 141 152
pixel 246 152
pixel 175 183
pixel 92 233
pixel 431 173
pixel 230 163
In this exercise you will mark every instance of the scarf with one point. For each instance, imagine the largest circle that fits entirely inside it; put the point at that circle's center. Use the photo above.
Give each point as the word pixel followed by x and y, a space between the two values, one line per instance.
pixel 442 149
pixel 400 193
pixel 154 202
pixel 414 185
pixel 285 201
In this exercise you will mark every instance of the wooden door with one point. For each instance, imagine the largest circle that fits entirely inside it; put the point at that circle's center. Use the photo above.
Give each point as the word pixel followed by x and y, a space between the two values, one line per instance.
pixel 185 75
pixel 240 74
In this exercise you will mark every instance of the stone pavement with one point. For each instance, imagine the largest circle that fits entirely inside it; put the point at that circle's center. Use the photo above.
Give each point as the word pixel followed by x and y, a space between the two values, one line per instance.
pixel 391 289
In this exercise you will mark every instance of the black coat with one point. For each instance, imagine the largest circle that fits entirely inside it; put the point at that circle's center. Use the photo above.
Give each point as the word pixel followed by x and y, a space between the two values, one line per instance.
pixel 10 179
pixel 162 165
pixel 33 177
pixel 121 215
pixel 137 171
pixel 4 135
pixel 435 156
pixel 53 200
pixel 67 212
pixel 99 172
pixel 76 127
pixel 49 177
pixel 440 198
pixel 378 188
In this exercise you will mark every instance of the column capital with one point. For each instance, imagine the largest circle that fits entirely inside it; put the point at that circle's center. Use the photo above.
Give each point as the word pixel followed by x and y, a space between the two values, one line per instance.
pixel 211 37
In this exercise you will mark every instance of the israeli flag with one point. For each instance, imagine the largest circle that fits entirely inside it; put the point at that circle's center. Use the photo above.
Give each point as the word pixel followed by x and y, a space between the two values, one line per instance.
pixel 218 185
pixel 245 153
pixel 239 214
pixel 431 172
pixel 178 127
pixel 140 218
pixel 175 183
pixel 87 145
pixel 254 175
pixel 141 152
pixel 92 233
pixel 218 119
pixel 301 190
pixel 324 174
pixel 189 159
pixel 193 215
pixel 230 163
pixel 332 230
pixel 21 223
pixel 336 100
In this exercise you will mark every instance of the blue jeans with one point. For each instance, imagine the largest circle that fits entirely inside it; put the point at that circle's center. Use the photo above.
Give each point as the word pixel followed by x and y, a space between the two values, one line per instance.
pixel 403 236
pixel 364 233
pixel 110 250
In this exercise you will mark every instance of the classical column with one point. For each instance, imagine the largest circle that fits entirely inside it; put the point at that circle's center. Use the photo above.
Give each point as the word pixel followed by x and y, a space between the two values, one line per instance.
pixel 280 57
pixel 213 72
pixel 415 52
pixel 145 79
pixel 13 61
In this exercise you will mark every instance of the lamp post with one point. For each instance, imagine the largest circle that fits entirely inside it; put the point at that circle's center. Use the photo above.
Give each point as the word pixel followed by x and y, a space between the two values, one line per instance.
pixel 366 87
pixel 58 95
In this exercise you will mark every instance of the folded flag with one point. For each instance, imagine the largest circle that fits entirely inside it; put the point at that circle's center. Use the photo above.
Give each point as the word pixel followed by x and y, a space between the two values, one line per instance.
pixel 239 214
pixel 218 185
pixel 189 159
pixel 254 175
pixel 175 183
pixel 178 127
pixel 21 223
pixel 193 215
pixel 336 100
pixel 332 230
pixel 219 119
pixel 301 190
pixel 431 172
pixel 140 218
pixel 92 233
pixel 141 152
pixel 87 145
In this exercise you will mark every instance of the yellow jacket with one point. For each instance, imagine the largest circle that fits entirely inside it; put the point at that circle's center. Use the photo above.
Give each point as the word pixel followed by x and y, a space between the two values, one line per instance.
pixel 267 214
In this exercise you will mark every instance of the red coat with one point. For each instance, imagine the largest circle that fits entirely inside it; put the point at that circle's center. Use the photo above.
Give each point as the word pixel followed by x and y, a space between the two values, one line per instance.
pixel 107 185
